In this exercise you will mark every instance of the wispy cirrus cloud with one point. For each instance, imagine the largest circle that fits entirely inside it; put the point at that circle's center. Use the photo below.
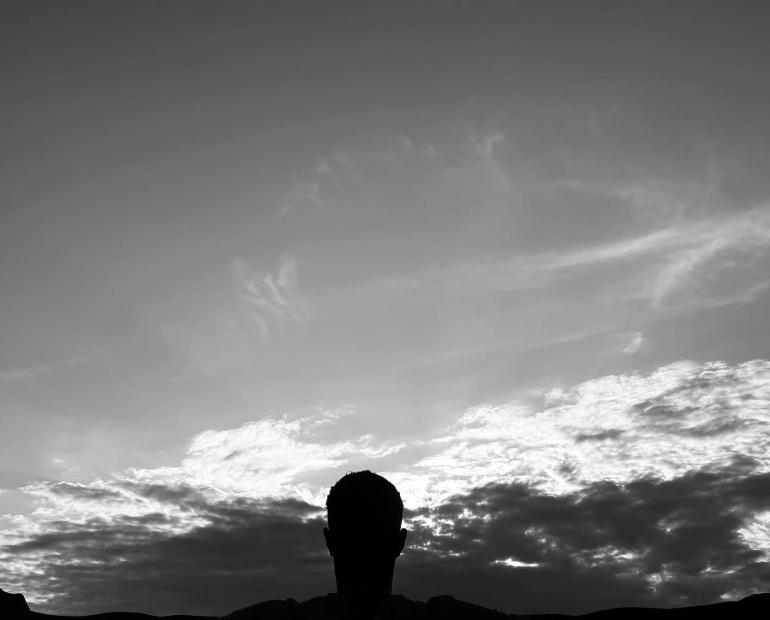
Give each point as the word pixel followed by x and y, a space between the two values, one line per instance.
pixel 413 177
pixel 714 260
pixel 718 252
pixel 681 247
pixel 29 373
pixel 273 299
pixel 710 252
pixel 303 194
pixel 16 375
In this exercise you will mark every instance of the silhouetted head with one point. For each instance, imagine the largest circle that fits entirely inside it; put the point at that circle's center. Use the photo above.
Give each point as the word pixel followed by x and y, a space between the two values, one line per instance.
pixel 364 535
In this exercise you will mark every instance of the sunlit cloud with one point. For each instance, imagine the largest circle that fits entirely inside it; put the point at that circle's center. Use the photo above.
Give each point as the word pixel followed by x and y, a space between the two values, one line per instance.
pixel 269 458
pixel 680 420
pixel 635 343
pixel 513 563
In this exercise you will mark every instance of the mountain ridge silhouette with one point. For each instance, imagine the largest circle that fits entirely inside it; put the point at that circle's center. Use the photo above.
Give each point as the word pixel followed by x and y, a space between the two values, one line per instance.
pixel 397 607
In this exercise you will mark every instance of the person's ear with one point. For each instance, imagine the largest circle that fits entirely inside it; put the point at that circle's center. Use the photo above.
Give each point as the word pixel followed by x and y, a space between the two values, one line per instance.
pixel 401 541
pixel 329 541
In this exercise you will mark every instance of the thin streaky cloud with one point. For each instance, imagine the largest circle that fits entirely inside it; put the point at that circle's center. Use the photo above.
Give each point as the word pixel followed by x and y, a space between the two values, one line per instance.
pixel 273 299
pixel 675 258
pixel 18 375
pixel 657 197
pixel 746 232
pixel 741 296
pixel 719 244
pixel 305 194
pixel 525 271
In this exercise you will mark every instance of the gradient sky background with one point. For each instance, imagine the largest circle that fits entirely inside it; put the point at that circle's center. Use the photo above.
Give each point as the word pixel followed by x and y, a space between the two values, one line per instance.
pixel 514 256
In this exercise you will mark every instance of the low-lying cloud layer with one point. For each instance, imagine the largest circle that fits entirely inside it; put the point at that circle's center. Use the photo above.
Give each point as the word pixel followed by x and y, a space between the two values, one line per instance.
pixel 623 490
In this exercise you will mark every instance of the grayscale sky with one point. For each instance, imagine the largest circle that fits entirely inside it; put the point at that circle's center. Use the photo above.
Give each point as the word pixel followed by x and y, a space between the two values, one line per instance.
pixel 514 256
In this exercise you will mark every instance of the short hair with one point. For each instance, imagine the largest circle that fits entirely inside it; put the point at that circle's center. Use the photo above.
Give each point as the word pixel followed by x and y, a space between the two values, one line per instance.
pixel 364 495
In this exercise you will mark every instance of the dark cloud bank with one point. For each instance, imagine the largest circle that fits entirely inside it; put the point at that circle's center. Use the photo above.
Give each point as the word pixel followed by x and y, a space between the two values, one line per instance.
pixel 597 548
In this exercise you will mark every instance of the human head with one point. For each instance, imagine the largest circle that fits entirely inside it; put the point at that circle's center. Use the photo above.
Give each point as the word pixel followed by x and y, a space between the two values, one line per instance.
pixel 364 495
pixel 364 537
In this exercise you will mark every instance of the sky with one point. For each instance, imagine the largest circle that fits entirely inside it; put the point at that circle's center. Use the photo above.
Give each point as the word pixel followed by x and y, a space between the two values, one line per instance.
pixel 514 256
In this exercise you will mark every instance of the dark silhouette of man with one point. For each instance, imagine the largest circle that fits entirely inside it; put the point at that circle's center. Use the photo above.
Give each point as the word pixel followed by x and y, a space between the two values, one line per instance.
pixel 364 537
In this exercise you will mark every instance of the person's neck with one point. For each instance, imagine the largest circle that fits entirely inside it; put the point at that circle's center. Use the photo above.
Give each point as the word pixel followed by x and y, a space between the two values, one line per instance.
pixel 362 604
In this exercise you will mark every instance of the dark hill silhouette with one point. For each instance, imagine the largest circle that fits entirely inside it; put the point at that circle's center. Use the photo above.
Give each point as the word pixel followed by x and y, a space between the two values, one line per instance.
pixel 364 537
